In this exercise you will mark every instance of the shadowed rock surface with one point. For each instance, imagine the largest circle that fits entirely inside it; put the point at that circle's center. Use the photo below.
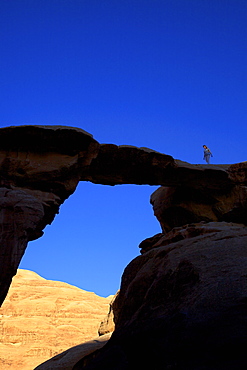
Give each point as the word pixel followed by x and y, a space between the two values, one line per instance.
pixel 176 206
pixel 182 306
pixel 182 303
pixel 68 359
pixel 107 325
pixel 40 167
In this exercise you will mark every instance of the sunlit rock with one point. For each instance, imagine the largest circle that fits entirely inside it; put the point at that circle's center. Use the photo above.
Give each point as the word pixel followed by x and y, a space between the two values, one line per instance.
pixel 41 318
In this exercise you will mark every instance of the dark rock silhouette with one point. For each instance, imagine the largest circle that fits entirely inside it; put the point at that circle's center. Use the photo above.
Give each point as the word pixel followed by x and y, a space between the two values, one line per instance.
pixel 182 303
pixel 40 167
pixel 179 205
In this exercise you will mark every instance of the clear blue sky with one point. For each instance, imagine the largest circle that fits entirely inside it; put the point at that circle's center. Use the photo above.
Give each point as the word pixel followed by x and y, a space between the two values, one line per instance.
pixel 166 74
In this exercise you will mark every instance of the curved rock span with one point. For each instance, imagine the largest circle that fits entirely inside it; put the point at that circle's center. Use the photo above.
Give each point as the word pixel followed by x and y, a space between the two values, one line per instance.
pixel 40 167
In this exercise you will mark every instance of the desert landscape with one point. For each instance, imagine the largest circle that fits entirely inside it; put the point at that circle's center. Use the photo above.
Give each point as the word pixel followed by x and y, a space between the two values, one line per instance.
pixel 41 318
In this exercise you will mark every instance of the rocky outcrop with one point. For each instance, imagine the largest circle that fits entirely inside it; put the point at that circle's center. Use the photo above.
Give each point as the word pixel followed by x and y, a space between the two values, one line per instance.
pixel 42 318
pixel 68 359
pixel 108 325
pixel 184 232
pixel 40 167
pixel 176 206
pixel 182 305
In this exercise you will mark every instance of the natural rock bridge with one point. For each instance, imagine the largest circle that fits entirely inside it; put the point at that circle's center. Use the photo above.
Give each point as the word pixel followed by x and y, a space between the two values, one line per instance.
pixel 182 302
pixel 40 167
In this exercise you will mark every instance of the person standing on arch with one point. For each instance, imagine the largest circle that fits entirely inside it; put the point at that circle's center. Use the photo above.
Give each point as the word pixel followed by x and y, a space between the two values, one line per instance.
pixel 207 154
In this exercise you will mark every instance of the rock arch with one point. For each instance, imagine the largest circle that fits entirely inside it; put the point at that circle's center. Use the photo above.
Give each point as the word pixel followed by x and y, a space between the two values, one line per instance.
pixel 40 167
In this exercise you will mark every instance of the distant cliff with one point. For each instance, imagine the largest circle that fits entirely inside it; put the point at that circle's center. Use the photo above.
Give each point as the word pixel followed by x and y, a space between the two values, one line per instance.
pixel 41 318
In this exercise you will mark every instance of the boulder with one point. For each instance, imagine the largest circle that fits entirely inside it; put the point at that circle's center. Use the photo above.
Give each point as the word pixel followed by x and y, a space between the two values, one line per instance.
pixel 68 359
pixel 108 325
pixel 181 233
pixel 182 306
pixel 177 206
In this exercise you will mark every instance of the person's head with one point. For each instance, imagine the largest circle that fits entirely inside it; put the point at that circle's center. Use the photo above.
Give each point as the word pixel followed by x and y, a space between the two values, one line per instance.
pixel 205 146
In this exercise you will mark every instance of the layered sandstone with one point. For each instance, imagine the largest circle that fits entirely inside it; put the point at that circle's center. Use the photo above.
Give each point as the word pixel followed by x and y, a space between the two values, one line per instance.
pixel 41 318
pixel 69 358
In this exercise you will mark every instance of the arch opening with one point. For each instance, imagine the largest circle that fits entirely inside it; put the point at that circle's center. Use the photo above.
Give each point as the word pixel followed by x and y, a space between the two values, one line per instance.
pixel 94 236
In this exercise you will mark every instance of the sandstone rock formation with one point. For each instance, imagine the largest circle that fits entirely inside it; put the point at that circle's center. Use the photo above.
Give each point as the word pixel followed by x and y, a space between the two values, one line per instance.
pixel 68 359
pixel 182 305
pixel 176 206
pixel 107 325
pixel 185 232
pixel 40 166
pixel 41 318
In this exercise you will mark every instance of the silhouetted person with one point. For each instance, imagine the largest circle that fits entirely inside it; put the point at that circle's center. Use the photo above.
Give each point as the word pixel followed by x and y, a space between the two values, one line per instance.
pixel 207 154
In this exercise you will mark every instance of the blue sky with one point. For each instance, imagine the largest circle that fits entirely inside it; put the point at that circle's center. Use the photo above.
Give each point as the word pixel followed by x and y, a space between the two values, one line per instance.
pixel 166 74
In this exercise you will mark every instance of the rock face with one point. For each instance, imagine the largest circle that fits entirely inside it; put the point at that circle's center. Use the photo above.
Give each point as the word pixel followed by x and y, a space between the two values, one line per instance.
pixel 176 206
pixel 182 305
pixel 68 359
pixel 40 167
pixel 41 318
pixel 108 324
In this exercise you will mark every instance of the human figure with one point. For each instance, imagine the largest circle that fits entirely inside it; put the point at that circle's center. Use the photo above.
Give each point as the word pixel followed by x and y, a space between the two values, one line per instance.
pixel 207 154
